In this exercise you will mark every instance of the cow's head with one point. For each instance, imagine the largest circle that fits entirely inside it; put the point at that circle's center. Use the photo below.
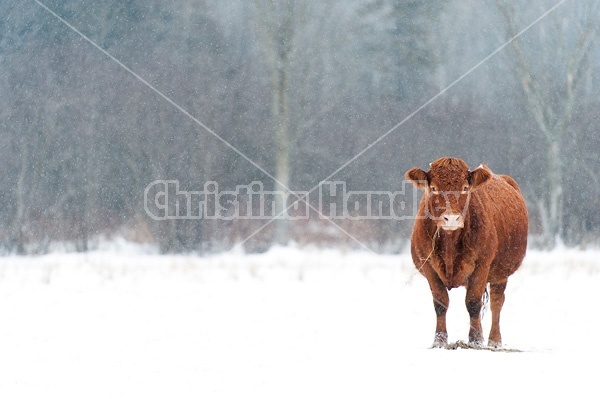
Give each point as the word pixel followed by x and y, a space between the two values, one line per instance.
pixel 448 185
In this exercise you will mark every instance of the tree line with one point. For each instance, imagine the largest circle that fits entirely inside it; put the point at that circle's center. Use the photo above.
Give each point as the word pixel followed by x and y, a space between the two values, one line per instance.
pixel 286 92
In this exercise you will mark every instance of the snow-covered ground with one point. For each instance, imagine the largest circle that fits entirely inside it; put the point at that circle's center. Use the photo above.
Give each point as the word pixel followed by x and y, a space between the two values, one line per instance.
pixel 290 323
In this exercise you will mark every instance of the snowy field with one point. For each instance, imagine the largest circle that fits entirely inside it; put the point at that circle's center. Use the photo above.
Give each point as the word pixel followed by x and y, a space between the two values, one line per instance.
pixel 289 323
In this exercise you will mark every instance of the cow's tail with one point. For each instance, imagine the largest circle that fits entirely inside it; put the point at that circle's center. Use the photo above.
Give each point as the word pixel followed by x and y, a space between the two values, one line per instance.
pixel 486 300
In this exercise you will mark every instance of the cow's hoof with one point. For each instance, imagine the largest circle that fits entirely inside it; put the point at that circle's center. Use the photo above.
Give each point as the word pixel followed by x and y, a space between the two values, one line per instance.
pixel 440 340
pixel 494 344
pixel 476 338
pixel 476 343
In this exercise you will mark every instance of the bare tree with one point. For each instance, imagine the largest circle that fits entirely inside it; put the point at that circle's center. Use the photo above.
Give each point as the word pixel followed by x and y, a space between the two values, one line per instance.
pixel 550 67
pixel 279 23
pixel 300 43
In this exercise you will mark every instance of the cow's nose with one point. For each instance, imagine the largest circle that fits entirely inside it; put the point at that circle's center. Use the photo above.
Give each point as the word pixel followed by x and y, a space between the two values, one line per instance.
pixel 451 221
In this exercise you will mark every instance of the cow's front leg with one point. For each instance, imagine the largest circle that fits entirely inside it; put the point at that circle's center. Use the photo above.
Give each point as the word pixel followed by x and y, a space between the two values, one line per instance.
pixel 440 304
pixel 475 289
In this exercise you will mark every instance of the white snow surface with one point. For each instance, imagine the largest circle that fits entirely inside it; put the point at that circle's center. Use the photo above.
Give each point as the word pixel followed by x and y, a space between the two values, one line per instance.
pixel 289 323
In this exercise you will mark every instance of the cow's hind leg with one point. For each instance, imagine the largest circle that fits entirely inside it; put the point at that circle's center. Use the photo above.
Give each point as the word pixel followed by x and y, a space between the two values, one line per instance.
pixel 497 300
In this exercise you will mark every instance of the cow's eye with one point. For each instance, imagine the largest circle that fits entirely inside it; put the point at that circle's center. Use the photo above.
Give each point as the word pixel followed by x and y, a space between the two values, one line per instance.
pixel 433 189
pixel 465 189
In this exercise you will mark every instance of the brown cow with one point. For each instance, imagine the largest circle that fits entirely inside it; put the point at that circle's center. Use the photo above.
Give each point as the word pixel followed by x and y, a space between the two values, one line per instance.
pixel 471 230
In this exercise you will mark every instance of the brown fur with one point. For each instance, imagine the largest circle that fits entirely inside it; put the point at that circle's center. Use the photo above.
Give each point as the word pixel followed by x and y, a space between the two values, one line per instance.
pixel 488 247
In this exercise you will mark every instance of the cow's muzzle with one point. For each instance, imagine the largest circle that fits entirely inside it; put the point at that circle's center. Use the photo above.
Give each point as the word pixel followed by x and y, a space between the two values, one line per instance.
pixel 452 221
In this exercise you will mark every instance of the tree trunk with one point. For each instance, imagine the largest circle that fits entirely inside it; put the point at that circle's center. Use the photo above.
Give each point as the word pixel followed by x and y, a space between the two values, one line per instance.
pixel 555 198
pixel 281 117
pixel 19 219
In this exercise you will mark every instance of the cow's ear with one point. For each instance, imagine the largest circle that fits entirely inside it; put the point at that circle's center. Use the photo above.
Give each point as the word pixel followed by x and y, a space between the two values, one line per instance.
pixel 418 177
pixel 479 176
